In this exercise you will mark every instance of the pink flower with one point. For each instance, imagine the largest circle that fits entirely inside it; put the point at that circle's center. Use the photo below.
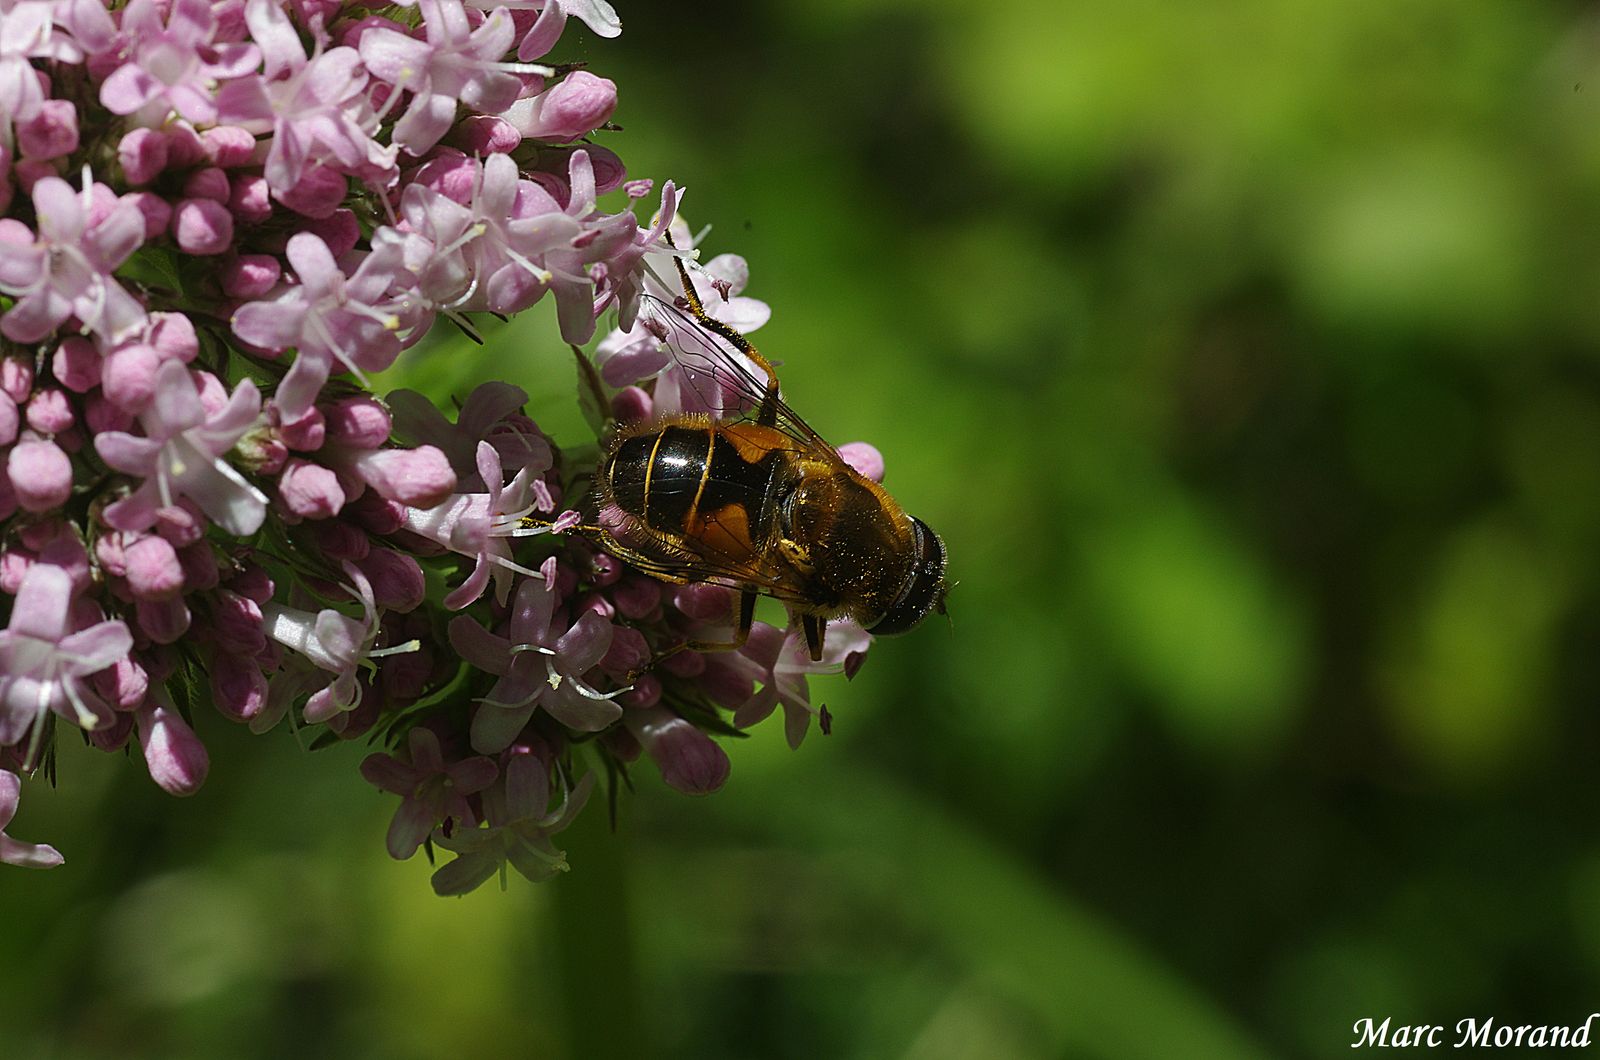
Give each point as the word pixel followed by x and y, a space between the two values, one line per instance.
pixel 432 791
pixel 174 65
pixel 43 666
pixel 477 525
pixel 489 256
pixel 329 317
pixel 455 63
pixel 181 456
pixel 314 107
pixel 538 664
pixel 66 270
pixel 520 824
pixel 13 851
pixel 782 662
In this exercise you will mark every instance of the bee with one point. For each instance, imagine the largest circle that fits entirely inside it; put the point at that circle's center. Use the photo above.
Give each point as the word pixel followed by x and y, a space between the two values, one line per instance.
pixel 758 502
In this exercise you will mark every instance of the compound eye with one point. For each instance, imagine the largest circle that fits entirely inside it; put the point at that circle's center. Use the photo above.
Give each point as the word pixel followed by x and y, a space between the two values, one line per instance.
pixel 923 591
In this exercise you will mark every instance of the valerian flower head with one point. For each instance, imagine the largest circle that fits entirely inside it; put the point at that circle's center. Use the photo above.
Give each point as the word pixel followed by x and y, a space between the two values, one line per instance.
pixel 268 201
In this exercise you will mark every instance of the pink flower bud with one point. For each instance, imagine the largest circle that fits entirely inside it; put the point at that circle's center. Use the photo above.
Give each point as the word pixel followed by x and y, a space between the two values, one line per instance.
pixel 202 226
pixel 9 419
pixel 378 514
pixel 30 171
pixel 16 378
pixel 864 458
pixel 645 693
pixel 173 336
pixel 485 134
pixel 451 174
pixel 317 193
pixel 124 684
pixel 250 276
pixel 157 212
pixel 689 760
pixel 51 132
pixel 213 395
pixel 238 687
pixel 208 183
pixel 361 422
pixel 636 597
pixel 724 684
pixel 419 477
pixel 182 524
pixel 153 570
pixel 577 105
pixel 339 230
pixel 254 583
pixel 13 565
pixel 163 621
pixel 704 603
pixel 262 451
pixel 49 412
pixel 629 652
pixel 597 603
pixel 114 736
pixel 609 172
pixel 237 623
pixel 176 758
pixel 685 664
pixel 339 540
pixel 109 551
pixel 101 414
pixel 128 375
pixel 76 364
pixel 40 473
pixel 228 146
pixel 184 148
pixel 143 154
pixel 200 571
pixel 397 580
pixel 306 433
pixel 632 405
pixel 309 490
pixel 249 197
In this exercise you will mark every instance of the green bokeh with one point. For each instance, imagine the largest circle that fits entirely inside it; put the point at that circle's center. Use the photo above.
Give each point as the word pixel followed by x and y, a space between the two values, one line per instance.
pixel 1245 355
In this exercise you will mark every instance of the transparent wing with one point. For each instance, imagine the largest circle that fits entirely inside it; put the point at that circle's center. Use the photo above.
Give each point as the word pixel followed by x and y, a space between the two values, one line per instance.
pixel 710 375
pixel 696 561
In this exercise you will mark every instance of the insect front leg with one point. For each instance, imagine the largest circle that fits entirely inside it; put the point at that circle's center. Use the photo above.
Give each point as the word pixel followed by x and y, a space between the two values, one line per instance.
pixel 767 413
pixel 741 633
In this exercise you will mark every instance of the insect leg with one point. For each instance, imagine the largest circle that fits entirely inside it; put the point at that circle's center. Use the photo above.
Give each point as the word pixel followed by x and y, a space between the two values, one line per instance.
pixel 816 628
pixel 741 633
pixel 767 414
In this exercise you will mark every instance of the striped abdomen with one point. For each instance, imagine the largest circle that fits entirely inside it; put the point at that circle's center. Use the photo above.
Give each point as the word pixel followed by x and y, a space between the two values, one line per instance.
pixel 712 487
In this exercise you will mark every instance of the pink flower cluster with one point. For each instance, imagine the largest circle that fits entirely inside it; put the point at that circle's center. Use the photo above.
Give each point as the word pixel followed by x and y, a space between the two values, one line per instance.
pixel 216 217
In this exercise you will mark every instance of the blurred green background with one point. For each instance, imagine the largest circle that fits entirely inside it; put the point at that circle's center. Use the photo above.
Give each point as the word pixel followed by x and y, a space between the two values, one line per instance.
pixel 1247 355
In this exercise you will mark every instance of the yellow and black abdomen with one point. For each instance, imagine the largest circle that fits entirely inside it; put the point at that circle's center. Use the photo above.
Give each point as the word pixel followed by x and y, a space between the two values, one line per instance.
pixel 701 487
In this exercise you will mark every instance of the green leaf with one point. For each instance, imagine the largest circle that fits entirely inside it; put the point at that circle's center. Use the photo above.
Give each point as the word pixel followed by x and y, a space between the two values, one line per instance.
pixel 591 392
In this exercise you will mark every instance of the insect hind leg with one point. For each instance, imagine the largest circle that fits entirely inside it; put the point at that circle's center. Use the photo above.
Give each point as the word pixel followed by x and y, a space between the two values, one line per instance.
pixel 767 413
